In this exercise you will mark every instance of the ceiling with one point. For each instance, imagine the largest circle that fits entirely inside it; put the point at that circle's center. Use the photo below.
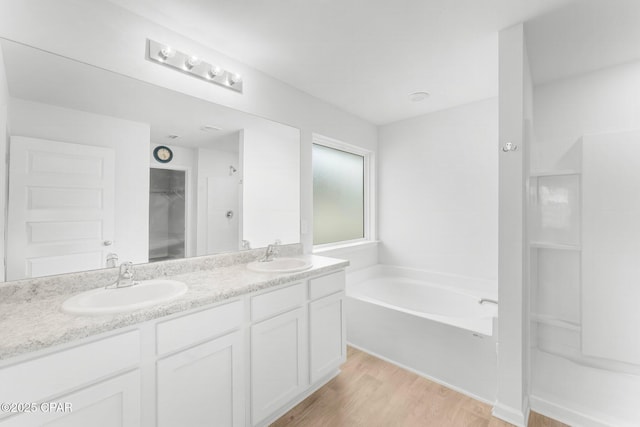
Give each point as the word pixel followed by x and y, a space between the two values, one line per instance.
pixel 584 36
pixel 99 91
pixel 366 56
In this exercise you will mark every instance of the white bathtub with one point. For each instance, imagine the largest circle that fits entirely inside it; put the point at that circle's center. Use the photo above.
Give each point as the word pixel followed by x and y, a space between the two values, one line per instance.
pixel 429 323
pixel 428 298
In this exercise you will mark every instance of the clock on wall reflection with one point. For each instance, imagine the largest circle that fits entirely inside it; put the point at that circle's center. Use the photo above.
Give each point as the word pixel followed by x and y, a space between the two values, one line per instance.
pixel 163 154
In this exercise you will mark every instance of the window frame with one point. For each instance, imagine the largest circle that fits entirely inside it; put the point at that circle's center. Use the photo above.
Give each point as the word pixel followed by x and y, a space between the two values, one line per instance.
pixel 368 191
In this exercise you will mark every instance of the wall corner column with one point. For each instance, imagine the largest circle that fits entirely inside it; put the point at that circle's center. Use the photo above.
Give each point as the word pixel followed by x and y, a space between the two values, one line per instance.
pixel 512 397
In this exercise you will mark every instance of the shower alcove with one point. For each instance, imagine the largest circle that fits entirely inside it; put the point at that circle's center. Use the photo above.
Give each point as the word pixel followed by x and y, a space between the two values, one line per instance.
pixel 584 238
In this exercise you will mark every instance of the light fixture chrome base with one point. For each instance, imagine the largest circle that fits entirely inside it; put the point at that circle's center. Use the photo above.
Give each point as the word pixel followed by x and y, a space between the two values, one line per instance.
pixel 193 66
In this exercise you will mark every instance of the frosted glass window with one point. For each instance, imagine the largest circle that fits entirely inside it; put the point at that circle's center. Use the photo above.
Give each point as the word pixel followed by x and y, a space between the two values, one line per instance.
pixel 338 195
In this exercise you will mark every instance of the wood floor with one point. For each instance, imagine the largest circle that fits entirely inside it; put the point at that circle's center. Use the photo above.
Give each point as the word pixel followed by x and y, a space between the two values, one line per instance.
pixel 371 392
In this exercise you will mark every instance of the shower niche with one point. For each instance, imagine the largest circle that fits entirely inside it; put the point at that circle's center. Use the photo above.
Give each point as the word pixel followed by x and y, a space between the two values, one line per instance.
pixel 167 214
pixel 584 245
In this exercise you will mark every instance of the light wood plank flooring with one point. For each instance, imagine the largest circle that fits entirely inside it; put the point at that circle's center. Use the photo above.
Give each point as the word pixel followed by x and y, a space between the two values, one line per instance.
pixel 371 392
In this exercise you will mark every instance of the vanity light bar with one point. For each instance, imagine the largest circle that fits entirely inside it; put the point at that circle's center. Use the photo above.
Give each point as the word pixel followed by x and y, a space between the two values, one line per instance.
pixel 192 65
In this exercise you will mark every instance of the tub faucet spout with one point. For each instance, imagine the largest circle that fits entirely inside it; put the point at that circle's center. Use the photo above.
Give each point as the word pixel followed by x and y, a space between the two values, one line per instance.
pixel 485 300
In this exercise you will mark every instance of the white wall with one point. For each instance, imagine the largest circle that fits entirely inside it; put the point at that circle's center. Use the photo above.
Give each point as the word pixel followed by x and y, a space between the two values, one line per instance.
pixel 4 134
pixel 511 400
pixel 102 34
pixel 130 141
pixel 218 192
pixel 270 186
pixel 603 101
pixel 185 159
pixel 607 100
pixel 438 191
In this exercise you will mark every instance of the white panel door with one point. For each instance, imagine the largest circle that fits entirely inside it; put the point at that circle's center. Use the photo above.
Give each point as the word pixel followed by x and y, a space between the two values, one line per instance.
pixel 111 403
pixel 203 386
pixel 61 207
pixel 611 246
pixel 327 335
pixel 278 369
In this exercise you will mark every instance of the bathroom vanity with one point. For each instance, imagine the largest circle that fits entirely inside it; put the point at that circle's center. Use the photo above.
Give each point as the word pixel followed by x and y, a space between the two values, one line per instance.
pixel 240 348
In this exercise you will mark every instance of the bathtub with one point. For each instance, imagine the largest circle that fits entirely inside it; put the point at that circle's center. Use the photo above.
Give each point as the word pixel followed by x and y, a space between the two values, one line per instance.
pixel 429 323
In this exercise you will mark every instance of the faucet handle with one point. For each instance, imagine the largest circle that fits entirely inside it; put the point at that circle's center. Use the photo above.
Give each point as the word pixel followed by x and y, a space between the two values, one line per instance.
pixel 112 260
pixel 128 270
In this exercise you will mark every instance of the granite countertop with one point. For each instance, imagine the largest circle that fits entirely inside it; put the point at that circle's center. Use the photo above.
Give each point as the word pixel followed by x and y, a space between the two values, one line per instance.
pixel 36 323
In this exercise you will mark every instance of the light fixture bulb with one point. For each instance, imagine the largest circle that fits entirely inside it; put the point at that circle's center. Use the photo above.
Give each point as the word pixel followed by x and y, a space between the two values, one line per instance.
pixel 166 53
pixel 191 62
pixel 214 71
pixel 234 78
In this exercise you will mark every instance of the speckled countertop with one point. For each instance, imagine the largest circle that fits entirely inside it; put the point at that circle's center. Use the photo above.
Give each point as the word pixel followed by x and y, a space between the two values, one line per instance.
pixel 32 321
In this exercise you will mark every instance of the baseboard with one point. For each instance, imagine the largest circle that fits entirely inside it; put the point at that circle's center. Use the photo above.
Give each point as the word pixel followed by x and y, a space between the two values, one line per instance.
pixel 571 417
pixel 517 417
pixel 422 374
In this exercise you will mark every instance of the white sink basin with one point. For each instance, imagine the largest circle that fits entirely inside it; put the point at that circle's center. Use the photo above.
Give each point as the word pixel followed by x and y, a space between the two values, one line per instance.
pixel 280 265
pixel 118 300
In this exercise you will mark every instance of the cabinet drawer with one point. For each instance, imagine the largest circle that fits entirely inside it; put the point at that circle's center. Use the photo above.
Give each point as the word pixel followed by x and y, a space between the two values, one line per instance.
pixel 58 372
pixel 197 327
pixel 326 285
pixel 279 301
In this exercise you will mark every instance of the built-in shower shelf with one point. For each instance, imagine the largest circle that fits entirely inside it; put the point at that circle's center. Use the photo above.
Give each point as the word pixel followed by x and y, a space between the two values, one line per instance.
pixel 555 321
pixel 558 246
pixel 593 362
pixel 535 174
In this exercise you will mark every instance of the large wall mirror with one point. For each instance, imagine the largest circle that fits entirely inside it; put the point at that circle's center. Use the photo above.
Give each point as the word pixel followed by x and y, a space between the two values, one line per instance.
pixel 103 166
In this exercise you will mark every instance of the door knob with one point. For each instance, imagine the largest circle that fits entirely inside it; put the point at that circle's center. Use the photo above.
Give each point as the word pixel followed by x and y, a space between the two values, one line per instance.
pixel 107 243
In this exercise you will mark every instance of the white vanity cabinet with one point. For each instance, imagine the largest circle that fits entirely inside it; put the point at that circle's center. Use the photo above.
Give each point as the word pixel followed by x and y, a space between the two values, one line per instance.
pixel 327 329
pixel 95 383
pixel 301 343
pixel 203 382
pixel 240 362
pixel 278 349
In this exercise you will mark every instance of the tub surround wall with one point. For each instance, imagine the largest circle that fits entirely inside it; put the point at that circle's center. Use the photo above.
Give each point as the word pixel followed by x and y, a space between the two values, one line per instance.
pixel 438 191
pixel 360 255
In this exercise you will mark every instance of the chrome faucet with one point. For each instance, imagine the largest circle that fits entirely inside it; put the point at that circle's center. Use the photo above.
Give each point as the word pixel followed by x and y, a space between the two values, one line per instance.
pixel 126 277
pixel 491 301
pixel 272 252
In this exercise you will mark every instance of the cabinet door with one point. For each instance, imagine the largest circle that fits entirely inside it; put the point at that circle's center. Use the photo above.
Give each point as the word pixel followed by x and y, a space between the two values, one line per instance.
pixel 203 386
pixel 326 335
pixel 278 362
pixel 111 403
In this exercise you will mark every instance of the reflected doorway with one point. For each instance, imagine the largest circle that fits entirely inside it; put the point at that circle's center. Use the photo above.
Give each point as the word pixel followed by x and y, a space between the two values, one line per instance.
pixel 167 214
